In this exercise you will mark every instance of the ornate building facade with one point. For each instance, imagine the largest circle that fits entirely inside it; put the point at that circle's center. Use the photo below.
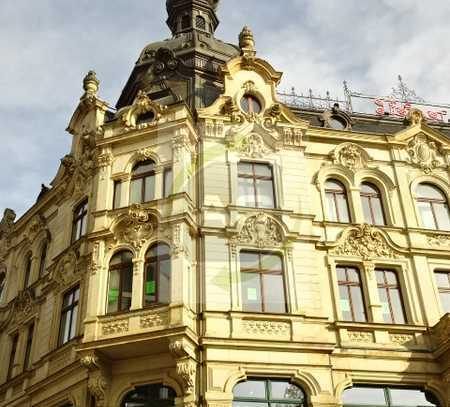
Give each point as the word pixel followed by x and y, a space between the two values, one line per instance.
pixel 203 244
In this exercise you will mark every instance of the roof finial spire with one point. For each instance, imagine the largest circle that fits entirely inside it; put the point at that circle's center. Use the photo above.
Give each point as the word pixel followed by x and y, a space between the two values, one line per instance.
pixel 90 84
pixel 247 42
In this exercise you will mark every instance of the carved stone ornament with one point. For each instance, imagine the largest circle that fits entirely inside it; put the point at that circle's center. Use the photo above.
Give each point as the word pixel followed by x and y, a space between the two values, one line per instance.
pixel 142 104
pixel 261 230
pixel 292 137
pixel 135 227
pixel 364 241
pixel 98 378
pixel 258 328
pixel 253 146
pixel 351 156
pixel 186 370
pixel 155 319
pixel 439 240
pixel 360 336
pixel 104 160
pixel 76 173
pixel 7 223
pixel 232 110
pixel 423 153
pixel 36 226
pixel 415 117
pixel 66 270
pixel 116 326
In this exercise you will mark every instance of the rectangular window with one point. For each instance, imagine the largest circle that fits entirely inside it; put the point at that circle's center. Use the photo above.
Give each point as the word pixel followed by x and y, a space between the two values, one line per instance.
pixel 117 199
pixel 351 294
pixel 12 355
pixel 168 182
pixel 390 297
pixel 443 284
pixel 27 361
pixel 256 188
pixel 262 282
pixel 69 315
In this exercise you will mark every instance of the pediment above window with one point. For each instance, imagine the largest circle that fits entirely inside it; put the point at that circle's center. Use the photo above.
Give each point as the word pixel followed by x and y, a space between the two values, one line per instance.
pixel 141 114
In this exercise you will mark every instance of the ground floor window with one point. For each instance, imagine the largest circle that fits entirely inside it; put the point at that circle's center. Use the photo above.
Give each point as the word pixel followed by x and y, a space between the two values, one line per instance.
pixel 150 396
pixel 388 397
pixel 268 393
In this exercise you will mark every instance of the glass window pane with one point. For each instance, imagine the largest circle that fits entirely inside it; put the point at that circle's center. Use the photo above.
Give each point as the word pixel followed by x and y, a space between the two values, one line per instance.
pixel 364 395
pixel 255 389
pixel 143 167
pixel 245 168
pixel 285 391
pixel 274 293
pixel 331 205
pixel 76 294
pixel 366 209
pixel 408 397
pixel 397 306
pixel 334 185
pixel 149 189
pixel 246 193
pixel 150 283
pixel 345 303
pixel 442 280
pixel 265 194
pixel 386 311
pixel 426 215
pixel 164 282
pixel 344 215
pixel 263 170
pixel 117 195
pixel 442 216
pixel 353 275
pixel 251 292
pixel 445 301
pixel 271 262
pixel 136 191
pixel 73 327
pixel 378 213
pixel 168 182
pixel 249 260
pixel 341 274
pixel 113 291
pixel 367 188
pixel 380 277
pixel 358 304
pixel 429 192
pixel 391 277
pixel 64 328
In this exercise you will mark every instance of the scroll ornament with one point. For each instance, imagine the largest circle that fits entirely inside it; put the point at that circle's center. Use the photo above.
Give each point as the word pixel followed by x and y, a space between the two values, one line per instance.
pixel 260 230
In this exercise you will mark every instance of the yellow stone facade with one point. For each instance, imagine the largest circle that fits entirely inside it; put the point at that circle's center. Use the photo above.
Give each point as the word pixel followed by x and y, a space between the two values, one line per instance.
pixel 203 343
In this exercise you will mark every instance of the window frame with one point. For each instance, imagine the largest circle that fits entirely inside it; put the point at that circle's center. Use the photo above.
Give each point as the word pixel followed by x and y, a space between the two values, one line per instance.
pixel 157 261
pixel 431 203
pixel 167 192
pixel 27 359
pixel 117 194
pixel 371 197
pixel 43 258
pixel 348 284
pixel 259 271
pixel 267 400
pixel 143 177
pixel 334 193
pixel 254 179
pixel 80 216
pixel 69 309
pixel 122 268
pixel 28 270
pixel 12 355
pixel 388 287
pixel 442 290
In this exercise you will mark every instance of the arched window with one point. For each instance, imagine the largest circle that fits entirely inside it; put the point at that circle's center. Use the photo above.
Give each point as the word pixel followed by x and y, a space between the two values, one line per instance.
pixel 120 282
pixel 185 22
pixel 337 203
pixel 433 207
pixel 372 204
pixel 43 259
pixel 149 396
pixel 388 397
pixel 28 265
pixel 157 275
pixel 200 22
pixel 265 392
pixel 143 182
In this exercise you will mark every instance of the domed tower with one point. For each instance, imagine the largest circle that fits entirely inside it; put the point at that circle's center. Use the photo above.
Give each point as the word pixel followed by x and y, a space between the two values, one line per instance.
pixel 184 67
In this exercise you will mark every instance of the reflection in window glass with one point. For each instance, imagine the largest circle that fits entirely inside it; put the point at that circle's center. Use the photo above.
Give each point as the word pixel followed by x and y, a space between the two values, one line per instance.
pixel 120 282
pixel 433 207
pixel 390 297
pixel 337 204
pixel 157 275
pixel 350 293
pixel 256 187
pixel 372 204
pixel 389 397
pixel 276 393
pixel 142 186
pixel 150 395
pixel 262 282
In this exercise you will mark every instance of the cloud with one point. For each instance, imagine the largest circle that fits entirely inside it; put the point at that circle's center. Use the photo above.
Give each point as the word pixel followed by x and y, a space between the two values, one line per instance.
pixel 49 45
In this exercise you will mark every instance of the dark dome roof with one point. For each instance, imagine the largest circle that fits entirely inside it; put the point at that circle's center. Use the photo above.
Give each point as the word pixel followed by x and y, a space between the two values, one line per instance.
pixel 211 3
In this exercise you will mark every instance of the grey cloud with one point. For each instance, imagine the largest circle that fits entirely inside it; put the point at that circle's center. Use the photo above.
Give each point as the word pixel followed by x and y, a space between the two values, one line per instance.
pixel 47 47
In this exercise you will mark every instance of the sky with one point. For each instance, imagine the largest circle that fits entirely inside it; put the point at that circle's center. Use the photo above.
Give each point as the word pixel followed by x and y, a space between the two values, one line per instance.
pixel 47 47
